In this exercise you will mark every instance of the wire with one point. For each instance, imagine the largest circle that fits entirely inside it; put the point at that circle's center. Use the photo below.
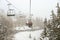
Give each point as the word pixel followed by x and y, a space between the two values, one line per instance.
pixel 12 4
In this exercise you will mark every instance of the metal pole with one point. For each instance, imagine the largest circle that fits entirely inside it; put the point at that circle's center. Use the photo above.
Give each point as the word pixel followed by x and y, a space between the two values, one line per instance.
pixel 30 10
pixel 30 6
pixel 30 17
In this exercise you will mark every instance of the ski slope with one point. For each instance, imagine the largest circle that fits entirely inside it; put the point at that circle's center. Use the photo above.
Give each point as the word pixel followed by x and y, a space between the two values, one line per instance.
pixel 28 35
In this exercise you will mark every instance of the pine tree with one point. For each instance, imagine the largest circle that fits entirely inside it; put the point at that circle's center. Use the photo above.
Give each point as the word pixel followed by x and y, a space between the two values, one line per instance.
pixel 55 31
pixel 45 26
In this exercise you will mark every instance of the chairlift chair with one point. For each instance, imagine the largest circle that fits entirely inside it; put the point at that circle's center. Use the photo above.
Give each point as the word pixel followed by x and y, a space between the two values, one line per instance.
pixel 10 12
pixel 29 24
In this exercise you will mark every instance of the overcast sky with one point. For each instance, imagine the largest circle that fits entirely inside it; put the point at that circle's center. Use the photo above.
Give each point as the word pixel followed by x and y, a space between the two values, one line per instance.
pixel 40 8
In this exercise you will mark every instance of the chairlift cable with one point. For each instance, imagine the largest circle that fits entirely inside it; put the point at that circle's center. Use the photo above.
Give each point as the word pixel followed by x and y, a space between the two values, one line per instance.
pixel 12 4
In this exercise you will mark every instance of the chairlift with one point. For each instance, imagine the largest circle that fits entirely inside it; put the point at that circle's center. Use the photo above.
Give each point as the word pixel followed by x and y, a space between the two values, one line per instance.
pixel 29 24
pixel 10 12
pixel 9 4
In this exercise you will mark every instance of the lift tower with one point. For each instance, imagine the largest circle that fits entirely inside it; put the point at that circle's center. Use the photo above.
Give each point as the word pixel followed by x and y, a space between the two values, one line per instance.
pixel 30 16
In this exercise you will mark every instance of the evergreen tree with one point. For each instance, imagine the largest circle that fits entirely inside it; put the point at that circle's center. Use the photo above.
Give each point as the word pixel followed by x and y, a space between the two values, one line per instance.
pixel 45 26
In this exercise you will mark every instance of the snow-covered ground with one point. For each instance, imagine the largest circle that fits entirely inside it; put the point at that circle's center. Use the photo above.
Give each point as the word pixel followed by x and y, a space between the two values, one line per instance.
pixel 23 28
pixel 28 35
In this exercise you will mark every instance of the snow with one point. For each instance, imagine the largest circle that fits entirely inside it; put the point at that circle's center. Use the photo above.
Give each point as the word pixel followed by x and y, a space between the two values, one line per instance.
pixel 23 28
pixel 46 38
pixel 25 35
